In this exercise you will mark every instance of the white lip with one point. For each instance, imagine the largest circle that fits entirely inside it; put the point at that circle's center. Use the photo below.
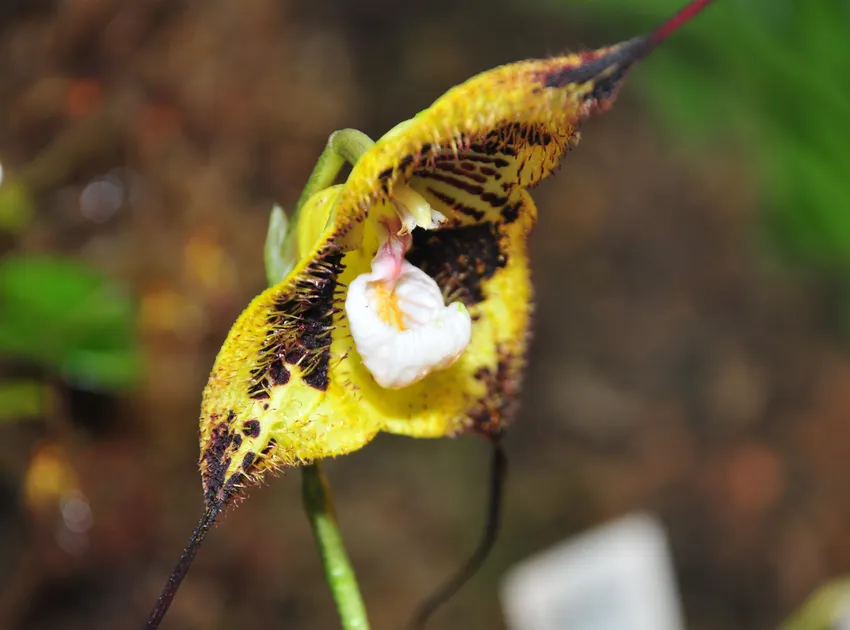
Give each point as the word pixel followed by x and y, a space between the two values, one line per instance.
pixel 433 338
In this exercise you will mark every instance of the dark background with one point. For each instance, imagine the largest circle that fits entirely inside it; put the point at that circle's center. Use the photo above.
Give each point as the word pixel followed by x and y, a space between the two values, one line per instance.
pixel 691 263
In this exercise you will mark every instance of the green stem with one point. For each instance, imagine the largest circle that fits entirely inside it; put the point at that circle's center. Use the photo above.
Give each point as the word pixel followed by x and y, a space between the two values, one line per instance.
pixel 338 572
pixel 343 146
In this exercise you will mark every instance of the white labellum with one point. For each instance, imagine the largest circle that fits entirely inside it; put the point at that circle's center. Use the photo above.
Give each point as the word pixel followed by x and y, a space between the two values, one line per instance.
pixel 401 327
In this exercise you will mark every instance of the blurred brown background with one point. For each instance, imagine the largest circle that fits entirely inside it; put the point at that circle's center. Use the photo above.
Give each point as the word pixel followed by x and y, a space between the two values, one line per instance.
pixel 684 362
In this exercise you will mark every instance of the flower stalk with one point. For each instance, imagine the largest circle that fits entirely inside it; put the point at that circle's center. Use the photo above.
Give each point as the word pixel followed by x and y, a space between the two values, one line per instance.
pixel 343 146
pixel 318 504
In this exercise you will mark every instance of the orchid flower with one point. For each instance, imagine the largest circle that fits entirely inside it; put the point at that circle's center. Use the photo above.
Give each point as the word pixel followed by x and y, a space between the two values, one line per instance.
pixel 402 298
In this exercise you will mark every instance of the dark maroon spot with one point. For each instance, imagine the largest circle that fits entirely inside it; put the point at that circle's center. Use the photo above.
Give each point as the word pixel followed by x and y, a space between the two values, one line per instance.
pixel 496 144
pixel 278 373
pixel 494 200
pixel 449 167
pixel 216 463
pixel 455 205
pixel 459 259
pixel 406 161
pixel 248 460
pixel 482 374
pixel 251 428
pixel 294 355
pixel 475 157
pixel 257 391
pixel 472 189
pixel 510 212
pixel 318 377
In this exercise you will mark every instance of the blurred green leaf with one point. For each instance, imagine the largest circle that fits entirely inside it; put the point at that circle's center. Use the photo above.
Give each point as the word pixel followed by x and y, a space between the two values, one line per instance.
pixel 63 315
pixel 23 399
pixel 15 208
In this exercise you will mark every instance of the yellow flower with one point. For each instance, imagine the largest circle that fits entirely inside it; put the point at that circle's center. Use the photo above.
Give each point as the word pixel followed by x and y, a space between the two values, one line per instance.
pixel 407 302
pixel 402 299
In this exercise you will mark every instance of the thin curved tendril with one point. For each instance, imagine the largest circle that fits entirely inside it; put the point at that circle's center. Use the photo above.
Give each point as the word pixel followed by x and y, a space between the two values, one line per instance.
pixel 498 473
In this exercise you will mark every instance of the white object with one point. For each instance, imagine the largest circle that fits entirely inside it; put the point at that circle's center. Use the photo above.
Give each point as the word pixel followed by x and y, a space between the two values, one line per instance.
pixel 422 336
pixel 616 577
pixel 400 324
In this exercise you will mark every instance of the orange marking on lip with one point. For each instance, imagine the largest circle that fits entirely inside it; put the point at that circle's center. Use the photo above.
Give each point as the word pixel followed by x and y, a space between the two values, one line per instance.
pixel 388 309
